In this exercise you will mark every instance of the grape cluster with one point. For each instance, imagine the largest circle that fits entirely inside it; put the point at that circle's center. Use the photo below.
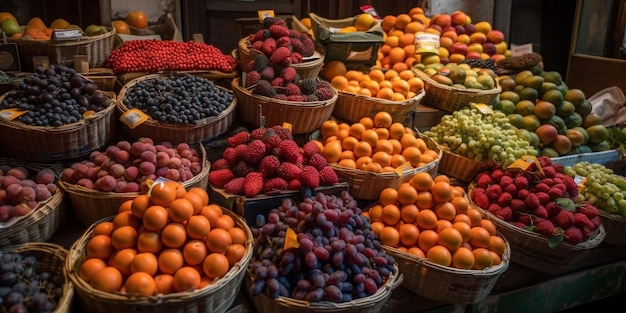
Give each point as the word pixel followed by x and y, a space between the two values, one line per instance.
pixel 337 257
pixel 182 99
pixel 479 136
pixel 26 288
pixel 54 97
pixel 602 187
pixel 166 55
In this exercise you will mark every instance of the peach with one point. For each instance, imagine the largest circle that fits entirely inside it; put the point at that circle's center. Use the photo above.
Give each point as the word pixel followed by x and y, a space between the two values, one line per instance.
pixel 6 211
pixel 458 18
pixel 85 182
pixel 19 172
pixel 147 168
pixel 148 156
pixel 52 187
pixel 195 168
pixel 475 47
pixel 117 170
pixel 446 42
pixel 441 20
pixel 174 162
pixel 119 187
pixel 172 174
pixel 67 175
pixel 473 55
pixel 162 158
pixel 28 193
pixel 45 176
pixel 495 36
pixel 147 140
pixel 483 27
pixel 160 171
pixel 28 183
pixel 42 193
pixel 463 38
pixel 478 37
pixel 450 34
pixel 435 27
pixel 106 183
pixel 13 193
pixel 3 196
pixel 131 187
pixel 111 151
pixel 21 209
pixel 185 162
pixel 458 48
pixel 122 156
pixel 137 148
pixel 123 145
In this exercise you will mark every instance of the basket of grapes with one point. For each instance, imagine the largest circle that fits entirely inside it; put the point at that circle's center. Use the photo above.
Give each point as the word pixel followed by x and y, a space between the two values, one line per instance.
pixel 37 279
pixel 475 137
pixel 167 261
pixel 176 108
pixel 32 207
pixel 536 207
pixel 98 185
pixel 319 260
pixel 55 114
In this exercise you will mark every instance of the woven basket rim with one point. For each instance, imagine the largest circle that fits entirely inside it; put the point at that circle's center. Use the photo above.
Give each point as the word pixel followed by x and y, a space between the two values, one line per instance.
pixel 428 80
pixel 76 256
pixel 410 101
pixel 237 85
pixel 203 122
pixel 63 128
pixel 592 242
pixel 612 216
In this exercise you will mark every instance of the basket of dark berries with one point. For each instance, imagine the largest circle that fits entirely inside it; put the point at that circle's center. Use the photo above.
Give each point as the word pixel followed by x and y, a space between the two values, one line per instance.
pixel 176 108
pixel 97 186
pixel 32 207
pixel 536 208
pixel 304 103
pixel 283 47
pixel 55 114
pixel 319 255
pixel 35 277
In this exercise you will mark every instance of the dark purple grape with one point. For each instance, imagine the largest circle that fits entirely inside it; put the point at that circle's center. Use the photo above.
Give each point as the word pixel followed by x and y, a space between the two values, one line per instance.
pixel 384 271
pixel 260 220
pixel 331 215
pixel 20 287
pixel 380 261
pixel 12 299
pixel 272 271
pixel 272 286
pixel 321 198
pixel 373 274
pixel 306 244
pixel 358 278
pixel 310 260
pixel 332 206
pixel 370 286
pixel 359 288
pixel 285 269
pixel 8 279
pixel 333 294
pixel 267 253
pixel 273 218
pixel 38 302
pixel 322 253
pixel 338 245
pixel 369 252
pixel 4 290
pixel 351 252
pixel 261 272
pixel 268 229
pixel 337 277
pixel 303 285
pixel 317 279
pixel 291 221
pixel 306 207
pixel 301 215
pixel 338 258
pixel 345 216
pixel 300 294
pixel 257 287
pixel 315 295
pixel 345 287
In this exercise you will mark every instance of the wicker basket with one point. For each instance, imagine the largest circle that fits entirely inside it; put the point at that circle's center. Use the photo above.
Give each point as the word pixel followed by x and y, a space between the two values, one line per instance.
pixel 309 68
pixel 41 224
pixel 458 166
pixel 205 129
pixel 532 250
pixel 305 117
pixel 215 298
pixel 214 75
pixel 46 144
pixel 448 284
pixel 90 205
pixel 352 107
pixel 96 48
pixel 366 185
pixel 615 227
pixel 450 98
pixel 371 304
pixel 51 258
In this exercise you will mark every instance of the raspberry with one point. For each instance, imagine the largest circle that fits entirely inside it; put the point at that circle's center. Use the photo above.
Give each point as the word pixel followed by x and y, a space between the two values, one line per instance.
pixel 522 193
pixel 219 164
pixel 295 58
pixel 253 184
pixel 494 207
pixel 220 177
pixel 520 225
pixel 268 165
pixel 581 220
pixel 310 177
pixel 543 197
pixel 280 56
pixel 294 184
pixel 267 74
pixel 289 74
pixel 241 169
pixel 573 235
pixel 553 208
pixel 481 199
pixel 328 176
pixel 275 183
pixel 231 155
pixel 288 171
pixel 255 152
pixel 547 181
pixel 549 171
pixel 521 182
pixel 494 191
pixel 279 31
pixel 559 168
pixel 241 137
pixel 565 219
pixel 235 186
pixel 483 180
pixel 283 42
pixel 556 193
pixel 586 233
pixel 571 186
pixel 541 211
pixel 544 161
pixel 532 201
pixel 289 150
pixel 277 81
pixel 497 174
pixel 541 187
pixel 252 78
pixel 317 161
pixel 505 181
pixel 309 149
pixel 526 219
pixel 589 210
pixel 505 213
pixel 517 205
pixel 269 46
pixel 292 89
pixel 505 199
pixel 545 227
pixel 512 189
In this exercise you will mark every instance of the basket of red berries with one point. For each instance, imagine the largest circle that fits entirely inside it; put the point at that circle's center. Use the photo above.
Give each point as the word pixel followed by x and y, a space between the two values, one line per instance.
pixel 535 207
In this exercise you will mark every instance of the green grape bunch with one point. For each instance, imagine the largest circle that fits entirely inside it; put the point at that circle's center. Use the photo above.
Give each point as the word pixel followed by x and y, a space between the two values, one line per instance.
pixel 480 135
pixel 600 186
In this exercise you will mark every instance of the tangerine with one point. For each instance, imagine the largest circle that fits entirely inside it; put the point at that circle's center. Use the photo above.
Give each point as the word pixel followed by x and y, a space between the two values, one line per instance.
pixel 145 262
pixel 99 246
pixel 140 284
pixel 389 236
pixel 149 241
pixel 170 260
pixel 164 284
pixel 155 218
pixel 440 255
pixel 215 265
pixel 218 240
pixel 186 278
pixel 90 267
pixel 174 235
pixel 427 239
pixel 194 252
pixel 108 279
pixel 409 233
pixel 463 258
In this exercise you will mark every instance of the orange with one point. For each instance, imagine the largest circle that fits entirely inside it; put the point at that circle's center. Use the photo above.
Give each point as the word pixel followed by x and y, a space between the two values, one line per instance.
pixel 90 267
pixel 104 228
pixel 139 205
pixel 108 279
pixel 121 260
pixel 385 93
pixel 362 149
pixel 408 140
pixel 218 240
pixel 464 229
pixel 140 284
pixel 389 236
pixel 194 252
pixel 144 262
pixel 397 146
pixel 164 193
pixel 381 157
pixel 329 128
pixel 174 235
pixel 99 246
pixel 125 206
pixel 125 218
pixel 497 245
pixel 333 69
pixel 388 22
pixel 347 162
pixel 480 237
pixel 402 20
pixel 357 129
pixel 440 255
pixel 376 212
pixel 495 258
pixel 441 224
pixel 204 195
pixel 406 193
pixel 441 177
pixel 197 226
pixel 235 253
pixel 460 204
pixel 391 214
pixel 370 136
pixel 445 210
pixel 362 162
pixel 155 218
pixel 186 279
pixel 367 121
pixel 164 284
pixel 377 75
pixel 409 233
pixel 427 239
pixel 416 252
pixel 416 84
pixel 224 222
pixel 463 258
pixel 397 55
pixel 397 160
pixel 332 151
pixel 137 19
pixel 482 258
pixel 124 237
pixel 383 145
pixel 401 86
pixel 383 119
pixel 377 227
pixel 412 155
pixel 413 28
pixel 149 241
pixel 354 75
pixel 474 216
pixel 36 23
pixel 170 260
pixel 424 200
pixel 450 238
pixel 340 82
pixel 426 219
pixel 489 226
pixel 462 217
pixel 121 27
pixel 442 191
pixel 215 265
pixel 408 213
pixel 422 181
pixel 196 200
pixel 212 212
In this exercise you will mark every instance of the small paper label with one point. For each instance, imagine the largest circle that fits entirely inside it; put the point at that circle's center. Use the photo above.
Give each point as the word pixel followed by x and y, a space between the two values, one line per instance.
pixel 66 34
pixel 265 13
pixel 521 49
pixel 370 10
pixel 334 29
pixel 483 108
pixel 291 240
pixel 287 126
pixel 133 118
pixel 426 43
pixel 403 167
pixel 519 164
pixel 11 114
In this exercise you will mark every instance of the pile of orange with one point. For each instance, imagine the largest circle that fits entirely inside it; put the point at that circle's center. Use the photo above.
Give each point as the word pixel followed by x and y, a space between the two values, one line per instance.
pixel 432 219
pixel 376 145
pixel 388 84
pixel 398 49
pixel 172 240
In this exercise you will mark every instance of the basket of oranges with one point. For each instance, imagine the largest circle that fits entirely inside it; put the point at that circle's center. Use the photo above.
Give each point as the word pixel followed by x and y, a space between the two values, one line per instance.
pixel 160 255
pixel 445 249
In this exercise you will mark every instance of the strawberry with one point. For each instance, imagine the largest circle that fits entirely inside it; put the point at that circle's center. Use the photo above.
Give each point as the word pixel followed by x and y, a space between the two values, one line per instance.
pixel 546 227
pixel 241 137
pixel 253 184
pixel 573 235
pixel 310 177
pixel 532 201
pixel 235 186
pixel 565 219
pixel 275 183
pixel 220 177
pixel 328 176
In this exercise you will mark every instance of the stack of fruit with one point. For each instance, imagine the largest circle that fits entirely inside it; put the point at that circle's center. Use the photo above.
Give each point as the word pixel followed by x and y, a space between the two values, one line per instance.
pixel 429 219
pixel 555 119
pixel 171 243
pixel 23 191
pixel 537 208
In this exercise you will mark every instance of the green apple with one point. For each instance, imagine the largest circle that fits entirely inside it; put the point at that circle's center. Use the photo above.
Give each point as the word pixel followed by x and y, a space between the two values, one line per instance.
pixel 95 30
pixel 10 27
